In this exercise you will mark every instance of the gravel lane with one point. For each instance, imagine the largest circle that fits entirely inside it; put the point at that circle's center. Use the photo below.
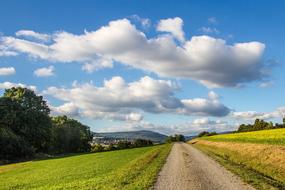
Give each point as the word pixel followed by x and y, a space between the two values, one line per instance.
pixel 188 168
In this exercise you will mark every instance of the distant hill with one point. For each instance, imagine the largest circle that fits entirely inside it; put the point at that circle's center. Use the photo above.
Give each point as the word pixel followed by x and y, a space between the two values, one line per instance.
pixel 188 138
pixel 149 135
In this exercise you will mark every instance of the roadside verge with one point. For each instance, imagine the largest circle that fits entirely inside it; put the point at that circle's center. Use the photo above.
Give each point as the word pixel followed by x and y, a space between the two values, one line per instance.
pixel 260 165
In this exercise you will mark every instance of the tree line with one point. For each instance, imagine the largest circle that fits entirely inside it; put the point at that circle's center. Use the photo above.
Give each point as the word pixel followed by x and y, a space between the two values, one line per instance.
pixel 206 134
pixel 260 124
pixel 26 128
pixel 175 138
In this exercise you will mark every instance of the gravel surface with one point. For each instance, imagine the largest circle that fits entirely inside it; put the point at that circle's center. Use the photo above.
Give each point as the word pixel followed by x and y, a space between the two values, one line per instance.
pixel 188 168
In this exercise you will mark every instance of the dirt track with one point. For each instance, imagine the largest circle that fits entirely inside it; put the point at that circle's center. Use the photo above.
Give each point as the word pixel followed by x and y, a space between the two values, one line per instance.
pixel 188 168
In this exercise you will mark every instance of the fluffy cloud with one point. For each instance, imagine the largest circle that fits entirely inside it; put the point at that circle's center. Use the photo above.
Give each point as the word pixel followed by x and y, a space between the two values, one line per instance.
pixel 45 71
pixel 66 109
pixel 201 106
pixel 172 25
pixel 119 100
pixel 209 60
pixel 205 124
pixel 7 71
pixel 252 115
pixel 4 52
pixel 6 85
pixel 97 64
pixel 32 34
pixel 188 128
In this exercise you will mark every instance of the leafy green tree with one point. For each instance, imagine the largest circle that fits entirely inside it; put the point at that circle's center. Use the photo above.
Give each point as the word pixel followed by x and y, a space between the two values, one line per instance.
pixel 11 114
pixel 124 144
pixel 175 138
pixel 70 135
pixel 206 133
pixel 110 147
pixel 27 99
pixel 32 122
pixel 260 124
pixel 203 133
pixel 244 128
pixel 12 146
pixel 97 148
pixel 142 142
pixel 179 138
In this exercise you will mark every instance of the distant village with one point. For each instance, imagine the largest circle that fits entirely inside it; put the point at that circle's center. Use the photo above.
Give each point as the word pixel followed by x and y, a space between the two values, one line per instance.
pixel 106 141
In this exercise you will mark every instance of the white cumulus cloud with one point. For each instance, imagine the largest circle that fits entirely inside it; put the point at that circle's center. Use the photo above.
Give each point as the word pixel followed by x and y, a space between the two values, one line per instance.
pixel 252 115
pixel 32 34
pixel 210 61
pixel 7 71
pixel 172 25
pixel 119 100
pixel 66 109
pixel 45 71
pixel 6 85
pixel 187 128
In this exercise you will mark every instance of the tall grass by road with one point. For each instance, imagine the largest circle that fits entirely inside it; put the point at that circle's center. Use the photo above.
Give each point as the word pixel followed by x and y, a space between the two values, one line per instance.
pixel 124 169
pixel 257 157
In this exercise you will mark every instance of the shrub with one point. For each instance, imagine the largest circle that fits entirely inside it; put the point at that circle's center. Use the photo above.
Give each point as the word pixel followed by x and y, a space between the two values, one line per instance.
pixel 142 142
pixel 97 148
pixel 124 144
pixel 110 147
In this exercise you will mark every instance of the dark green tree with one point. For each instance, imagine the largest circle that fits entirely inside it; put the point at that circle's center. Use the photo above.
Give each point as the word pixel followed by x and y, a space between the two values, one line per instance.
pixel 179 138
pixel 27 99
pixel 32 122
pixel 142 142
pixel 70 135
pixel 11 114
pixel 175 138
pixel 110 147
pixel 12 146
pixel 124 144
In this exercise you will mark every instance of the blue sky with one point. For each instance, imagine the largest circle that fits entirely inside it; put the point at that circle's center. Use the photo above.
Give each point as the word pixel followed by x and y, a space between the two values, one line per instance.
pixel 169 67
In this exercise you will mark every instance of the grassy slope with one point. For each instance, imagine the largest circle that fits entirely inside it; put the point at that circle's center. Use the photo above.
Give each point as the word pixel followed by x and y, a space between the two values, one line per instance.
pixel 124 169
pixel 258 157
pixel 273 136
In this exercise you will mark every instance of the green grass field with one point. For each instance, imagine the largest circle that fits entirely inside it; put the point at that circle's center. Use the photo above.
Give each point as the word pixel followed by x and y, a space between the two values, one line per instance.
pixel 273 136
pixel 124 169
pixel 257 157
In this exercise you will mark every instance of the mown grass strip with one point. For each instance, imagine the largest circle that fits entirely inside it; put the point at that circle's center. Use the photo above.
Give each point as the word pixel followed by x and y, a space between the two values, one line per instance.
pixel 125 169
